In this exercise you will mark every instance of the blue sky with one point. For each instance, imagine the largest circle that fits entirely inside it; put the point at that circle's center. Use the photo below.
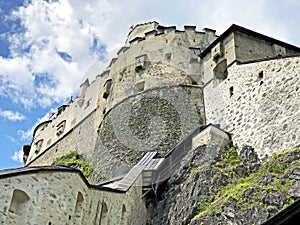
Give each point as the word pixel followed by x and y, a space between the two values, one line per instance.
pixel 46 47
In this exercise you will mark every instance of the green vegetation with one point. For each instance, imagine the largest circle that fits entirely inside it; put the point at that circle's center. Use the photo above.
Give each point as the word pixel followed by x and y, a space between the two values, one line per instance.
pixel 200 119
pixel 72 159
pixel 195 170
pixel 204 204
pixel 239 189
pixel 278 163
pixel 231 157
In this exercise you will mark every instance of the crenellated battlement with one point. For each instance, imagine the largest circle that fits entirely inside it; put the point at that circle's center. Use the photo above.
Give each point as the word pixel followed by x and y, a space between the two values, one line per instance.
pixel 139 30
pixel 153 31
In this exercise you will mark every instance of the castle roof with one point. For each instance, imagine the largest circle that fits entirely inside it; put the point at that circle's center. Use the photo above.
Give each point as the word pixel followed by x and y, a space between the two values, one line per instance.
pixel 51 169
pixel 39 125
pixel 237 28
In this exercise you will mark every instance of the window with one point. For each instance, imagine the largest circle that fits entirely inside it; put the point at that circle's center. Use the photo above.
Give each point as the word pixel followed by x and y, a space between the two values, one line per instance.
pixel 97 213
pixel 231 91
pixel 26 150
pixel 138 69
pixel 38 145
pixel 191 80
pixel 88 103
pixel 140 63
pixel 123 216
pixel 60 127
pixel 78 208
pixel 19 202
pixel 83 88
pixel 168 57
pixel 104 214
pixel 61 109
pixel 279 50
pixel 49 142
pixel 260 75
pixel 217 52
pixel 140 86
pixel 107 88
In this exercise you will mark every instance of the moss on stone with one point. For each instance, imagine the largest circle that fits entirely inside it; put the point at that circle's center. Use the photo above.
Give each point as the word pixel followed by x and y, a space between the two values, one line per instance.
pixel 239 189
pixel 204 204
pixel 195 170
pixel 231 156
pixel 72 159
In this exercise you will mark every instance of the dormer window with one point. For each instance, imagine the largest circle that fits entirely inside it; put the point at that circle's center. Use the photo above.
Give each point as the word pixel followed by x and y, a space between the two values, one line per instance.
pixel 217 52
pixel 60 127
pixel 61 109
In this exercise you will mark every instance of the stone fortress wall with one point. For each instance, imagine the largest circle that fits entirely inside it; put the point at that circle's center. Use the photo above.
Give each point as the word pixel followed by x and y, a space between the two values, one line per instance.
pixel 62 195
pixel 252 89
pixel 258 104
pixel 72 128
pixel 49 196
pixel 81 138
pixel 161 57
pixel 154 99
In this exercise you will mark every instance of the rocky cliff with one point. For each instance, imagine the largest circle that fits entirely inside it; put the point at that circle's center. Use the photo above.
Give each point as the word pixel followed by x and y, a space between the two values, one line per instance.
pixel 220 186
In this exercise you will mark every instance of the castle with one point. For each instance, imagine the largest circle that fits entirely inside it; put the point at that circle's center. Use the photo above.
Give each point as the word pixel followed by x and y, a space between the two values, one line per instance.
pixel 166 92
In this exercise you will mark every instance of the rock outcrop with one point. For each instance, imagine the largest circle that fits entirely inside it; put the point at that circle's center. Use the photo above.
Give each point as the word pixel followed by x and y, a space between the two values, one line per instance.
pixel 221 186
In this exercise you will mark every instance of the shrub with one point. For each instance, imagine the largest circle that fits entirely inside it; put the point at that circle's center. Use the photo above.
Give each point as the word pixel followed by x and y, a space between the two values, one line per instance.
pixel 72 159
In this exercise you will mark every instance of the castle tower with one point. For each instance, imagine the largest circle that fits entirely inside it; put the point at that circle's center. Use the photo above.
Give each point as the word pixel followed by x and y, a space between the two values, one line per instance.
pixel 152 97
pixel 148 99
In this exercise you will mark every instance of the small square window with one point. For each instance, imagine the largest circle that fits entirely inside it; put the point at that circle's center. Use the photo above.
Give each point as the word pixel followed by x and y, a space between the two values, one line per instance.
pixel 168 57
pixel 139 86
pixel 231 91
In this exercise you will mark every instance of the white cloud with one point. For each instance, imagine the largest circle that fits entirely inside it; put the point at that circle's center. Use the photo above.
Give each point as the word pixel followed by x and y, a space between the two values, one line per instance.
pixel 18 156
pixel 11 139
pixel 26 135
pixel 39 74
pixel 12 116
pixel 37 71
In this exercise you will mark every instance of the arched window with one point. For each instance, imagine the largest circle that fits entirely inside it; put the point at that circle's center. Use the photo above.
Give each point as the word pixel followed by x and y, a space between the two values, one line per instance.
pixel 38 146
pixel 78 208
pixel 123 216
pixel 97 213
pixel 104 214
pixel 19 202
pixel 107 88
